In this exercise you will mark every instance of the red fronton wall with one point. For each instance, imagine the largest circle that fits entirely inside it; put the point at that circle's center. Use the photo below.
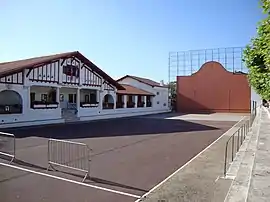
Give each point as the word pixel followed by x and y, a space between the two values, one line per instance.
pixel 213 89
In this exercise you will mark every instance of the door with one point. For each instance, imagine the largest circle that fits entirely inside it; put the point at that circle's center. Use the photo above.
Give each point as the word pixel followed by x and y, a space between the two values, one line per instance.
pixel 72 100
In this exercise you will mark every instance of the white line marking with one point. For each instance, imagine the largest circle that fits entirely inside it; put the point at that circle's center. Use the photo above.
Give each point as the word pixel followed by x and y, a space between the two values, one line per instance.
pixel 170 176
pixel 71 181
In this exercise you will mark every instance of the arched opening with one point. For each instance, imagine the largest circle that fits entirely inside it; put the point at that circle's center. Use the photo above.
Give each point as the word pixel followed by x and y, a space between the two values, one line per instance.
pixel 108 102
pixel 10 102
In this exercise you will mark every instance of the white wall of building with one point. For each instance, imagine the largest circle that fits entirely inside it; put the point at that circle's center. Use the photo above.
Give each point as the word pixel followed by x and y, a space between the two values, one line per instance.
pixel 256 97
pixel 122 112
pixel 31 116
pixel 160 100
pixel 36 116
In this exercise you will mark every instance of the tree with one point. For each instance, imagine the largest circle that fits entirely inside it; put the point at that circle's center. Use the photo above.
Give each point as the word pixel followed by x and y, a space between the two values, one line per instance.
pixel 172 94
pixel 172 90
pixel 257 56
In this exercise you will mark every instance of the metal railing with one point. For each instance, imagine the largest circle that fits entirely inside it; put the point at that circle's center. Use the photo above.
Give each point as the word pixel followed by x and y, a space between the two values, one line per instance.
pixel 7 145
pixel 235 141
pixel 68 154
pixel 72 106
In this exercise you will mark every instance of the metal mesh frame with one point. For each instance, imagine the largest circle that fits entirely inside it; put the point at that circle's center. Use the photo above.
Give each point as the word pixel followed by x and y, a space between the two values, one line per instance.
pixel 185 63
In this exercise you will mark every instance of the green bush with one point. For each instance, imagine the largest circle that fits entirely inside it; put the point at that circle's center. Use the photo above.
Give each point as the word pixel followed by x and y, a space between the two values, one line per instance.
pixel 257 56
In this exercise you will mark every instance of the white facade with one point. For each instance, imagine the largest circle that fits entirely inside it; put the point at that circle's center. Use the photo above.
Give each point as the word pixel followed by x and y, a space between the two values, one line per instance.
pixel 160 100
pixel 255 97
pixel 72 96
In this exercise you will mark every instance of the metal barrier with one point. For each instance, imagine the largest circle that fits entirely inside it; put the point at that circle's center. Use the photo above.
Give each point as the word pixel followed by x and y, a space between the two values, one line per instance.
pixel 234 143
pixel 68 154
pixel 7 145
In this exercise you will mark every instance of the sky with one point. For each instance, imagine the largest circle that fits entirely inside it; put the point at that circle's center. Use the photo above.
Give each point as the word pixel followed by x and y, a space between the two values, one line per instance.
pixel 123 37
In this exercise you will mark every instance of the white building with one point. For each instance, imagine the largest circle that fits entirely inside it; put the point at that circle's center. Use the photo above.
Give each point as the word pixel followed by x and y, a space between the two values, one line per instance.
pixel 159 90
pixel 69 87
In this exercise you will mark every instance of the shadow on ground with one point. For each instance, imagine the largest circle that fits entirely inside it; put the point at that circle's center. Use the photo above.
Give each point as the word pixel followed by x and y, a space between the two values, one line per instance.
pixel 110 128
pixel 56 170
pixel 172 114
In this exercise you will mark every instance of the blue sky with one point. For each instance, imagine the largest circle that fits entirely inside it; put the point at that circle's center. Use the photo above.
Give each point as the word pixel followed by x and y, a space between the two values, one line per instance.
pixel 124 36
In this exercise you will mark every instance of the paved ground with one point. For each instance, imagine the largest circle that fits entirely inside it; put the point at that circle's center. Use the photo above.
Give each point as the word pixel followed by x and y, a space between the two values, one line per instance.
pixel 252 176
pixel 129 156
pixel 259 190
pixel 199 180
pixel 202 116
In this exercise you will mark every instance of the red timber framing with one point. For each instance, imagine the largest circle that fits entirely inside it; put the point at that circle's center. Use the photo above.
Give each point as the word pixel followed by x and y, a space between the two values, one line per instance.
pixel 46 72
pixel 108 86
pixel 77 70
pixel 71 71
pixel 16 78
pixel 90 77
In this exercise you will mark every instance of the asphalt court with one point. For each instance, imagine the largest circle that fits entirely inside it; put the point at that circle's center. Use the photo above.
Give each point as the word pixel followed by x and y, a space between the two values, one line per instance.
pixel 130 156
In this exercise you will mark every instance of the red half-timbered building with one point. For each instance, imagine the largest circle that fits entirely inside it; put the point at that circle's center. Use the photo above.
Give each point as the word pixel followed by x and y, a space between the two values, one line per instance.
pixel 60 88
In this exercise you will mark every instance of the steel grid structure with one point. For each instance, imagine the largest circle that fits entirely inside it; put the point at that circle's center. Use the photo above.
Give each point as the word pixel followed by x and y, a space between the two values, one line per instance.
pixel 185 63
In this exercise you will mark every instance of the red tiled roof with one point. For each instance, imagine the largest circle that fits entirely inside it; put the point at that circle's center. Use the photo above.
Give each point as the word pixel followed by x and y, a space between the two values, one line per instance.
pixel 7 68
pixel 143 80
pixel 131 90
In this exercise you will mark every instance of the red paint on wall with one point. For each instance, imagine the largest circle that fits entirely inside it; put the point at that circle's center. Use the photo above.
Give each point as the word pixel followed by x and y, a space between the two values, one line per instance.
pixel 213 89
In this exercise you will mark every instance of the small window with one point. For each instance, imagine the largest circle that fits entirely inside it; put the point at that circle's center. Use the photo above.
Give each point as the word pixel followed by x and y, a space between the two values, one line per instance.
pixel 7 109
pixel 71 70
pixel 157 93
pixel 44 97
pixel 32 97
pixel 61 97
pixel 87 99
pixel 164 104
pixel 72 98
pixel 93 97
pixel 157 102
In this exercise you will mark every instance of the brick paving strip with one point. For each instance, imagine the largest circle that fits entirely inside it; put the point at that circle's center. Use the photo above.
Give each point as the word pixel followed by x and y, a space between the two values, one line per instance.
pixel 200 180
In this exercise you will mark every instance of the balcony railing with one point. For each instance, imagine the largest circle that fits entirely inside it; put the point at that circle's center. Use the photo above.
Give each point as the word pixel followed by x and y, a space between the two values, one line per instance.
pixel 89 104
pixel 44 105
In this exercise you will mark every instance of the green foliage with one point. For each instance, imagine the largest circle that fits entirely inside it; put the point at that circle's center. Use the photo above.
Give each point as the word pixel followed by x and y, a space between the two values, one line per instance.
pixel 172 89
pixel 265 6
pixel 257 56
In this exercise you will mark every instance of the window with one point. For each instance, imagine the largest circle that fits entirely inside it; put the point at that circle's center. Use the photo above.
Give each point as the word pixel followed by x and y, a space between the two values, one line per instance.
pixel 32 97
pixel 72 98
pixel 61 97
pixel 71 70
pixel 86 98
pixel 93 98
pixel 157 102
pixel 164 104
pixel 44 97
pixel 157 93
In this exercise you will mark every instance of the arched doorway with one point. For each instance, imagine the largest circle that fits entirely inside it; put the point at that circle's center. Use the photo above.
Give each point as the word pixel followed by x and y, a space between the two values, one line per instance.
pixel 108 102
pixel 10 102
